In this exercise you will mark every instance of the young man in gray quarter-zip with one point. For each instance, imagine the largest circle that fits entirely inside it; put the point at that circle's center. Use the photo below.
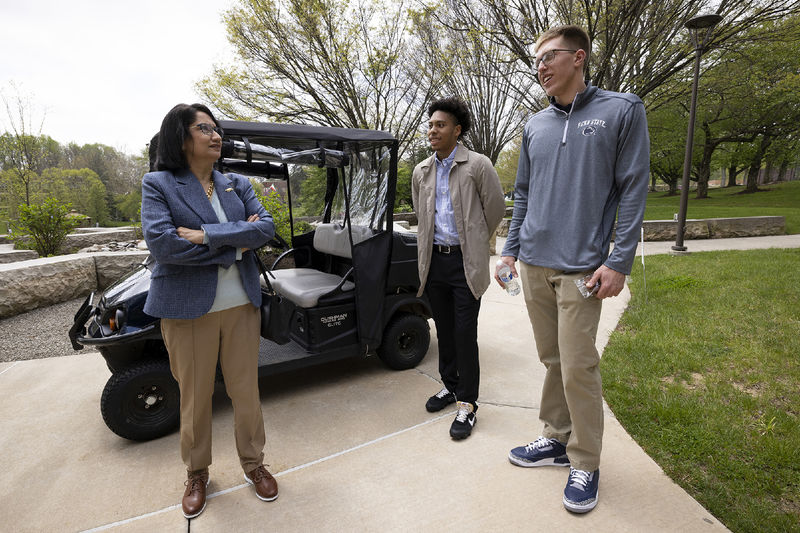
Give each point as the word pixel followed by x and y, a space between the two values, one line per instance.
pixel 584 162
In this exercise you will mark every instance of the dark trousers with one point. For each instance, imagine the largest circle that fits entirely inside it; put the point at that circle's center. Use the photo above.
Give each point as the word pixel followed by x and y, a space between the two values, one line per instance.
pixel 455 313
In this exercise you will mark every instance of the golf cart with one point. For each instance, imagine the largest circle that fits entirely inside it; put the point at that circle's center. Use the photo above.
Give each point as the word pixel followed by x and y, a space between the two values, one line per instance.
pixel 347 288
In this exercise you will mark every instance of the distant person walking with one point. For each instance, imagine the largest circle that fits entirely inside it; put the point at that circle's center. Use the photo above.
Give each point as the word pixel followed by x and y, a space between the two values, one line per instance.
pixel 459 203
pixel 201 227
pixel 584 162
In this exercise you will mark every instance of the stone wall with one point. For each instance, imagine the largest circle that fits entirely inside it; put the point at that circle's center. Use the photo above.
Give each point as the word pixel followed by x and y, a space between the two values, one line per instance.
pixel 9 256
pixel 91 236
pixel 27 285
pixel 712 228
pixel 85 237
pixel 715 228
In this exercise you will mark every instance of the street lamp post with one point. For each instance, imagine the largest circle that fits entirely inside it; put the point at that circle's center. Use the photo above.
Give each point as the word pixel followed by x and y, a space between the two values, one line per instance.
pixel 700 29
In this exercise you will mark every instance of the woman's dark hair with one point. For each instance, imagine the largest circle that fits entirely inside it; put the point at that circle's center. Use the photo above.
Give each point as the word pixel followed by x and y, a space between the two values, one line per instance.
pixel 152 152
pixel 174 131
pixel 456 107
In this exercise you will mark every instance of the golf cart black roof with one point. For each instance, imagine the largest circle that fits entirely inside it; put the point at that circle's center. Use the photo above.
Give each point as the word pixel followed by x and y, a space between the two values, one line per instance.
pixel 300 132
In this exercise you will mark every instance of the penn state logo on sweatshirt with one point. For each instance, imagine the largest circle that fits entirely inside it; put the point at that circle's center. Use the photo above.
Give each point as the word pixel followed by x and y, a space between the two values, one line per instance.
pixel 591 127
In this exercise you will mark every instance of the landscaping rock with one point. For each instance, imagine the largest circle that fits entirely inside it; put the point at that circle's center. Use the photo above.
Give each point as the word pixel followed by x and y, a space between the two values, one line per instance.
pixel 84 239
pixel 502 229
pixel 111 247
pixel 37 283
pixel 723 228
pixel 666 230
pixel 111 266
pixel 11 256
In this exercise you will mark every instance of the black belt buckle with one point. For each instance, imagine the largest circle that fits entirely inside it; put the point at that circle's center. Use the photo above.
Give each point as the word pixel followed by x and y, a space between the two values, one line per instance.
pixel 446 248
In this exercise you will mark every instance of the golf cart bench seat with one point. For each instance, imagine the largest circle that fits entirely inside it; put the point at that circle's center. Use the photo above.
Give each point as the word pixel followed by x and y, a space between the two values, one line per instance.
pixel 305 286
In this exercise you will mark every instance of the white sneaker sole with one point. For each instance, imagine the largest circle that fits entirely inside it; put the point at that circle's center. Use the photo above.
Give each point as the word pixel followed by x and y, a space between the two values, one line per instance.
pixel 578 508
pixel 528 464
pixel 257 494
pixel 203 508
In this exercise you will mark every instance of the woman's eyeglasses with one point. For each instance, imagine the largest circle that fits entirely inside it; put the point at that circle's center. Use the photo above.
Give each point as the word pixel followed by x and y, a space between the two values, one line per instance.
pixel 208 129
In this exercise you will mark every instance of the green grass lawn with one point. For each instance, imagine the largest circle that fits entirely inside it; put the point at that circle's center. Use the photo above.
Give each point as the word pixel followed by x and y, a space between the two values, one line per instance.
pixel 781 199
pixel 704 373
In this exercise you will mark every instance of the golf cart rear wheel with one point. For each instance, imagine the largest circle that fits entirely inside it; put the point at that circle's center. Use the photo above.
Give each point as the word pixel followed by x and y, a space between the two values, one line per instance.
pixel 142 402
pixel 405 342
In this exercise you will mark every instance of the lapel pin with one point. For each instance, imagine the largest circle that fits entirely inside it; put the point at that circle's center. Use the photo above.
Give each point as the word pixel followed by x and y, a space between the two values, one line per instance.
pixel 229 189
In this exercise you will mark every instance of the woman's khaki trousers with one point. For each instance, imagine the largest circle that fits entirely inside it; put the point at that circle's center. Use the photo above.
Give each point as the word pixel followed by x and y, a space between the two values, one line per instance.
pixel 194 345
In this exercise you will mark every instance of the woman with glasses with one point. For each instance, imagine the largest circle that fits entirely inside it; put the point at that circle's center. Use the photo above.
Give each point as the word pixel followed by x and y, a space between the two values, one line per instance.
pixel 201 228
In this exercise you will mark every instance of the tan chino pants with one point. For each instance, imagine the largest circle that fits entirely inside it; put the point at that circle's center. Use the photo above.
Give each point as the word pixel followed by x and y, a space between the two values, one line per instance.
pixel 565 329
pixel 194 346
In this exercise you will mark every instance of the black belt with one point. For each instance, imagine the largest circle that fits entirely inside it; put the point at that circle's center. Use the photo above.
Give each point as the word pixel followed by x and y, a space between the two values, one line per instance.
pixel 446 248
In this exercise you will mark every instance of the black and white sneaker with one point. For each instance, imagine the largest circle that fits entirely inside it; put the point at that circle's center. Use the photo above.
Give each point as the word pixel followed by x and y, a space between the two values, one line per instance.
pixel 440 400
pixel 465 420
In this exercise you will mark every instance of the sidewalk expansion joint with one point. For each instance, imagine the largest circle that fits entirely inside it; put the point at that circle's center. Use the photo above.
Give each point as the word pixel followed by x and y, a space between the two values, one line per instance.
pixel 516 406
pixel 9 368
pixel 279 474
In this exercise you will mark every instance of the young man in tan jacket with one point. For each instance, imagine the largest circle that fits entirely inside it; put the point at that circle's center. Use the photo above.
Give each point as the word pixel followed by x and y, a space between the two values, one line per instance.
pixel 459 203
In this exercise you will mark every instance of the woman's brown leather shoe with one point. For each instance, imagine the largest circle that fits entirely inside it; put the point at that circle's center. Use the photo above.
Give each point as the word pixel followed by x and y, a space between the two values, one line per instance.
pixel 194 497
pixel 265 484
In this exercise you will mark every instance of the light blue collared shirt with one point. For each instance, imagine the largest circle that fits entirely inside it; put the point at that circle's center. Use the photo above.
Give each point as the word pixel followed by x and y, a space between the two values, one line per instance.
pixel 444 220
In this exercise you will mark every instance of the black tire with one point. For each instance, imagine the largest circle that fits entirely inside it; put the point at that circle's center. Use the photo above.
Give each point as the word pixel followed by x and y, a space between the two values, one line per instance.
pixel 405 341
pixel 142 402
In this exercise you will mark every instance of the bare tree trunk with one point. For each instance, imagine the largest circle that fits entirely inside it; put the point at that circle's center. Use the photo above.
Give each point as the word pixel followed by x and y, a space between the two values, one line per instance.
pixel 755 164
pixel 704 171
pixel 731 176
pixel 673 187
pixel 768 171
pixel 782 169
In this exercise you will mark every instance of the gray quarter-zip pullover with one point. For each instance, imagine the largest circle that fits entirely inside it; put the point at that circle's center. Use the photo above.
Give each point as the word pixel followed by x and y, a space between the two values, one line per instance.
pixel 576 171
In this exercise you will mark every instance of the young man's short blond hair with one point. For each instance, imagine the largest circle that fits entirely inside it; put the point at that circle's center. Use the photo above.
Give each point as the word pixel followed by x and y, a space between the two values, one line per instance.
pixel 574 35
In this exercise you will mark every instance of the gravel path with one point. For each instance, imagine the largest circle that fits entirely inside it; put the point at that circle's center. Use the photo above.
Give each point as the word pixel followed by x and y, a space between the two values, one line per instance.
pixel 39 333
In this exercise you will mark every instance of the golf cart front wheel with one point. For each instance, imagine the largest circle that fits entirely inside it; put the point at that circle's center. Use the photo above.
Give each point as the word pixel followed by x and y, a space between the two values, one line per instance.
pixel 142 402
pixel 405 342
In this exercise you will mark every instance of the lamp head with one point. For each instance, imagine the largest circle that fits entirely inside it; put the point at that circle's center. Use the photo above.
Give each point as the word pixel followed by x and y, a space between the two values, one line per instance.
pixel 697 24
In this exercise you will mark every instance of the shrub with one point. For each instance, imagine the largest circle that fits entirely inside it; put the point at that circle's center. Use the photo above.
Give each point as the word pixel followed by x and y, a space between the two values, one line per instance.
pixel 276 207
pixel 301 227
pixel 44 226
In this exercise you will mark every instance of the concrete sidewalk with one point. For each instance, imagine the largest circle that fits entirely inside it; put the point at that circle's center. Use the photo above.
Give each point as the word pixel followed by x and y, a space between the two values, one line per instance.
pixel 351 444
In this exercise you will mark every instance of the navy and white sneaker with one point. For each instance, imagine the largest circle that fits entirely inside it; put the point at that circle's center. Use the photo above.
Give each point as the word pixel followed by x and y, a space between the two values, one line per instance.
pixel 580 494
pixel 465 420
pixel 541 452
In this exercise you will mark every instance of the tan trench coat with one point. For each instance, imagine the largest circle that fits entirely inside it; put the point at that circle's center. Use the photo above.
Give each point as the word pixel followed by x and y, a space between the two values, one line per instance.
pixel 478 205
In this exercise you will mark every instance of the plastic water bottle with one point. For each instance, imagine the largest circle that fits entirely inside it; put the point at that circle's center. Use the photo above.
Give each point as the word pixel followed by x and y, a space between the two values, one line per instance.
pixel 512 285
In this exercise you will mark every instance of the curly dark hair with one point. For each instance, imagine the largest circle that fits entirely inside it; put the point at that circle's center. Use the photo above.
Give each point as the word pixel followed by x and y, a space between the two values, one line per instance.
pixel 456 107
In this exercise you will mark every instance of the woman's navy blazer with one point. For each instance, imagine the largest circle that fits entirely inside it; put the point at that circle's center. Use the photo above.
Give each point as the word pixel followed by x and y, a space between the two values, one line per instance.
pixel 184 279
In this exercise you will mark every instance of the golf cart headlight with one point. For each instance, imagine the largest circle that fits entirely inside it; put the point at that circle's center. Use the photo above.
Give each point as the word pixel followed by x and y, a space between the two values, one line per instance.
pixel 116 319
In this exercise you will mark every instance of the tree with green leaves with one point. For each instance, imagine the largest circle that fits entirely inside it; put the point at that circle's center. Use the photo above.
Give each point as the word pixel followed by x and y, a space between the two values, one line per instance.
pixel 342 63
pixel 81 188
pixel 637 46
pixel 507 165
pixel 24 151
pixel 761 106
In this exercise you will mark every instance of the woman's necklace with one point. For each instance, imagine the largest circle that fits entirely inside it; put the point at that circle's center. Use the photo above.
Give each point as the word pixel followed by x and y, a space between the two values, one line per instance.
pixel 210 189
